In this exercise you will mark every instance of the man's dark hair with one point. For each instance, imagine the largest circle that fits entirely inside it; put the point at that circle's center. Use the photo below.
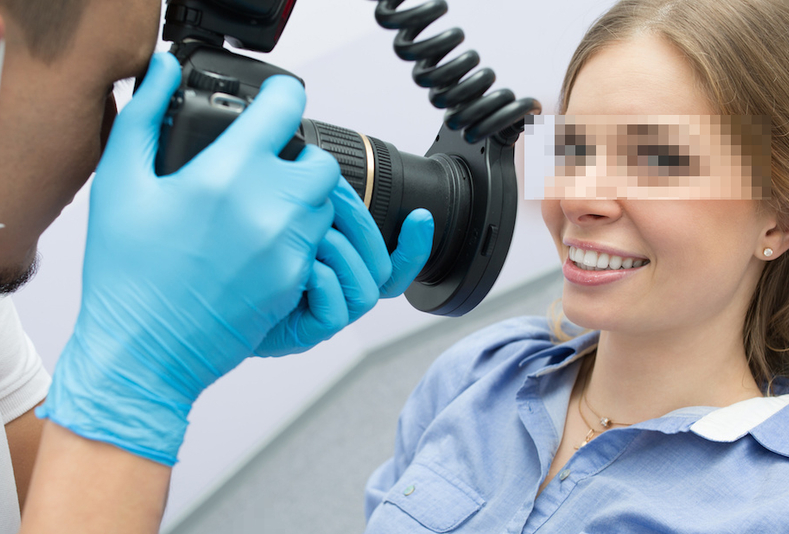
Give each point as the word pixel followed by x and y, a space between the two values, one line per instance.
pixel 49 25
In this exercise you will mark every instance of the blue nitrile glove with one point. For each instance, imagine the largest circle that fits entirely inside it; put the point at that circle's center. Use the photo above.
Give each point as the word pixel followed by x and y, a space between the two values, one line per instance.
pixel 356 253
pixel 412 252
pixel 185 274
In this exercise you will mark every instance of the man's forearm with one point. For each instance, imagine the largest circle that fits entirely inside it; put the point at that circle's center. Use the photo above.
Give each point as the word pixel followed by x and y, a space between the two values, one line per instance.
pixel 24 436
pixel 83 486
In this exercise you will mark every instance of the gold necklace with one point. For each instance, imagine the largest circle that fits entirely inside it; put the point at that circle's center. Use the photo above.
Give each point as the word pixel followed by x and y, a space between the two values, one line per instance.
pixel 605 422
pixel 592 431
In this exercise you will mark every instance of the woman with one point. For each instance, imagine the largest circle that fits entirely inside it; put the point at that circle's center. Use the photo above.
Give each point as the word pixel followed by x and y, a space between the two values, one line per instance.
pixel 671 415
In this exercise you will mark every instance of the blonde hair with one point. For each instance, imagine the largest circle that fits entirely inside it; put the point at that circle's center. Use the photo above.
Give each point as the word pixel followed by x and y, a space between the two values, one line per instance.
pixel 739 50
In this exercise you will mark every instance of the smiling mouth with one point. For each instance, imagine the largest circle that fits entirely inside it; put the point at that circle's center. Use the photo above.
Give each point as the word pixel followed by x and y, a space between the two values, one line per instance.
pixel 590 260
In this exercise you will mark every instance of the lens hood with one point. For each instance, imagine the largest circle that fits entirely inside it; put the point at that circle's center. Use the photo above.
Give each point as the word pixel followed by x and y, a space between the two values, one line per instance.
pixel 488 234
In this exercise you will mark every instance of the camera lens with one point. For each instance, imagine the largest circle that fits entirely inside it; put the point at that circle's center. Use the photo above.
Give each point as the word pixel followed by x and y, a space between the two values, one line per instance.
pixel 473 206
pixel 394 183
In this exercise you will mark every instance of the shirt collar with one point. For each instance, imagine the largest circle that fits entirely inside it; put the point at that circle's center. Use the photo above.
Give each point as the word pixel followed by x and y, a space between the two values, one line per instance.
pixel 765 418
pixel 752 416
pixel 564 354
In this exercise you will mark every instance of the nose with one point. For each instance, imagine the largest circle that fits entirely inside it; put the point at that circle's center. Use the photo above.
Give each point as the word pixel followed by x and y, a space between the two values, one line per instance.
pixel 583 212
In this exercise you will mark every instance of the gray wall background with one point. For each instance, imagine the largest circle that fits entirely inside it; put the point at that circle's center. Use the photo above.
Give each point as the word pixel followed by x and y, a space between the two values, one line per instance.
pixel 353 80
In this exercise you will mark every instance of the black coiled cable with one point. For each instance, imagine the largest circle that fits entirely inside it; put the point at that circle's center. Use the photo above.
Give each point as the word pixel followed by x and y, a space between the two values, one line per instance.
pixel 468 108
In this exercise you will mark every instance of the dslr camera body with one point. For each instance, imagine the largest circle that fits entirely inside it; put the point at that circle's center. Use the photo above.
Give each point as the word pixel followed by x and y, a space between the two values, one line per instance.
pixel 466 179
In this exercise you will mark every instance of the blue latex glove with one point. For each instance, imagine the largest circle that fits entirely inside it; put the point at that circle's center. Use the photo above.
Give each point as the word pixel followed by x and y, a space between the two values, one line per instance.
pixel 357 270
pixel 185 274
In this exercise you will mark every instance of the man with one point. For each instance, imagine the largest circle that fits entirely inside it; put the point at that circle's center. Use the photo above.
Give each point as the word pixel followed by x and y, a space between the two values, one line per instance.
pixel 184 276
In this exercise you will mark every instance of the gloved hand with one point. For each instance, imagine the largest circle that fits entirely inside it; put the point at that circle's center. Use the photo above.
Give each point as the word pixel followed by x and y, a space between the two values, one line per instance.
pixel 355 253
pixel 185 274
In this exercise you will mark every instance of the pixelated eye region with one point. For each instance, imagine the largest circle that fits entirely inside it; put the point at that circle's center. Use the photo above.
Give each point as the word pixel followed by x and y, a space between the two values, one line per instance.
pixel 660 156
pixel 662 160
pixel 577 153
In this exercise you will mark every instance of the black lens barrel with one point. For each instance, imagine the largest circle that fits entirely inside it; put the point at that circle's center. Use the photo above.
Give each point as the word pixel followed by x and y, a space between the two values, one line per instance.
pixel 394 183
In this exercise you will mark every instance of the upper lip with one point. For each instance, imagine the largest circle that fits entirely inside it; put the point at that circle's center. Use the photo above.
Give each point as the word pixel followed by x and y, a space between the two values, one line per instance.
pixel 597 247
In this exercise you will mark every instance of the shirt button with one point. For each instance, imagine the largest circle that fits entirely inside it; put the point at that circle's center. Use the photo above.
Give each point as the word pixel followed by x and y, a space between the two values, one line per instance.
pixel 564 474
pixel 409 490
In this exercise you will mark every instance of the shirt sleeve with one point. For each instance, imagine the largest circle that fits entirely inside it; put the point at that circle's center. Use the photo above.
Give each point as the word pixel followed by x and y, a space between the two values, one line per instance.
pixel 452 373
pixel 23 380
pixel 433 393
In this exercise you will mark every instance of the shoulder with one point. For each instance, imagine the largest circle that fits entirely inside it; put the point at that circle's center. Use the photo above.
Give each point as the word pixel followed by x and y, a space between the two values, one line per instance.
pixel 520 338
pixel 460 367
pixel 510 343
pixel 23 380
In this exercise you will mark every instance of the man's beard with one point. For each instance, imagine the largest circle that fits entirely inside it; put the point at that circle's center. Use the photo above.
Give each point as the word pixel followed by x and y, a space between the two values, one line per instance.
pixel 13 279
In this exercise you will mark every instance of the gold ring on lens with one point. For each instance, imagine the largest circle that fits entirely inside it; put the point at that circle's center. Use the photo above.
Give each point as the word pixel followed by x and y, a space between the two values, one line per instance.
pixel 368 187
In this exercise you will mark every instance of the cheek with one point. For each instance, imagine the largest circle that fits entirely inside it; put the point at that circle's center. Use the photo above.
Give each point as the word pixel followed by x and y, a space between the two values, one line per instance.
pixel 553 217
pixel 110 112
pixel 73 175
pixel 719 229
pixel 709 245
pixel 77 161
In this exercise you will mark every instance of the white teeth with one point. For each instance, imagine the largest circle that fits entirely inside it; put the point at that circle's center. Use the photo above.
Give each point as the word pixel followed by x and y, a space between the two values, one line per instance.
pixel 590 260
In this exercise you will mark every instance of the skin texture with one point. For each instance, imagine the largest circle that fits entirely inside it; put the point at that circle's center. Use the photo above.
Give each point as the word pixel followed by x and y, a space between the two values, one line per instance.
pixel 55 119
pixel 24 435
pixel 91 487
pixel 60 111
pixel 672 332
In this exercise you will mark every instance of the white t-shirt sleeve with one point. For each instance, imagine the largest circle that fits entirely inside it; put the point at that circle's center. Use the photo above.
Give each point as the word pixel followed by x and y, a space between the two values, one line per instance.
pixel 23 380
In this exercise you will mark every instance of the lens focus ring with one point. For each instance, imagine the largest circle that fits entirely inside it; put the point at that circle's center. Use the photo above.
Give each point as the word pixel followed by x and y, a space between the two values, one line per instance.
pixel 348 149
pixel 383 183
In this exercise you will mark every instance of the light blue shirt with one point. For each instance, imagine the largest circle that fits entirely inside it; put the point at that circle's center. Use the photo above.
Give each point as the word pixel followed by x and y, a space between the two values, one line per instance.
pixel 478 435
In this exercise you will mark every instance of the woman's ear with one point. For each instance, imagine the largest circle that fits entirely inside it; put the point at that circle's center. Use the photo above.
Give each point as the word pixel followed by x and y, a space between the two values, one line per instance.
pixel 775 241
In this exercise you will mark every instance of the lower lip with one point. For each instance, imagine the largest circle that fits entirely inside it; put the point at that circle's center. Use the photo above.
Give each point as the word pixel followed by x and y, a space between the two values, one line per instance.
pixel 576 275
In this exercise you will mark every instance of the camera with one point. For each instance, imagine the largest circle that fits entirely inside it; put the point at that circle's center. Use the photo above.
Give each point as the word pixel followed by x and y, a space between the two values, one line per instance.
pixel 466 179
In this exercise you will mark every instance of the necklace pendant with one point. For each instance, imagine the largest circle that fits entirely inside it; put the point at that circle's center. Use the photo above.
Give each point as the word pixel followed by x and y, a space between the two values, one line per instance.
pixel 587 439
pixel 605 421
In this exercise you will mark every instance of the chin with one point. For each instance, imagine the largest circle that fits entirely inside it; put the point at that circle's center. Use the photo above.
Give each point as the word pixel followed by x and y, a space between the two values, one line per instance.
pixel 594 316
pixel 580 319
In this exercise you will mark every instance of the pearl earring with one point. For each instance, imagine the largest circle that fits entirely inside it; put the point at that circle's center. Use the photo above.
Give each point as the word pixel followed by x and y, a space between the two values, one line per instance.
pixel 768 252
